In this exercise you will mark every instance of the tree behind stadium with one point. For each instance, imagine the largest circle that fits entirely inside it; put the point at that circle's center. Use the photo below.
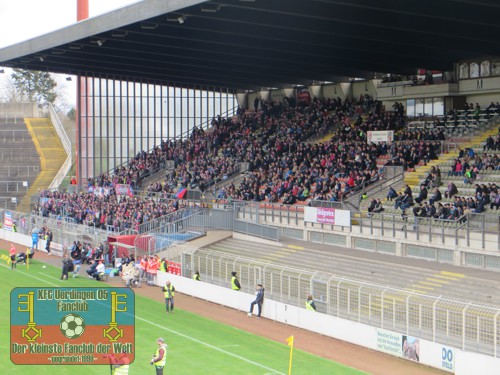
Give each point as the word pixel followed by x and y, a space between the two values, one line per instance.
pixel 35 86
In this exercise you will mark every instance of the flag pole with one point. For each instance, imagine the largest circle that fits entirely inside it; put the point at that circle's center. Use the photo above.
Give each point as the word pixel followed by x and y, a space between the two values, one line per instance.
pixel 290 344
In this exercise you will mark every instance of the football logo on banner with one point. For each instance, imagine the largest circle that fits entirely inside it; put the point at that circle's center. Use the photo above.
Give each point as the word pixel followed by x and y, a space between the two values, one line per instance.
pixel 72 326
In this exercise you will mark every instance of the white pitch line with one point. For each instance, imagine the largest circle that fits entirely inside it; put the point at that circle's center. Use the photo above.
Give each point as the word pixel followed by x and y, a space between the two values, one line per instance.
pixel 34 277
pixel 209 346
pixel 177 333
pixel 52 277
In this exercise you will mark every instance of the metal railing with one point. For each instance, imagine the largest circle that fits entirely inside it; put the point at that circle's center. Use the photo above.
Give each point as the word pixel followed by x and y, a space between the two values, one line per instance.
pixel 157 173
pixel 483 228
pixel 353 201
pixel 61 174
pixel 201 219
pixel 161 237
pixel 151 225
pixel 61 133
pixel 461 324
pixel 65 230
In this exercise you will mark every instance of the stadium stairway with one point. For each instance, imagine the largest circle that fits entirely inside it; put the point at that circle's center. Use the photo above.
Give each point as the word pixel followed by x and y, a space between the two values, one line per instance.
pixel 414 178
pixel 52 156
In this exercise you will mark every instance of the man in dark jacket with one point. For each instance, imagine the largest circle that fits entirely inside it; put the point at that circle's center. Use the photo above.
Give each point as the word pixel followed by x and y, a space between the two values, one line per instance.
pixel 92 269
pixel 48 239
pixel 422 195
pixel 259 300
pixel 67 266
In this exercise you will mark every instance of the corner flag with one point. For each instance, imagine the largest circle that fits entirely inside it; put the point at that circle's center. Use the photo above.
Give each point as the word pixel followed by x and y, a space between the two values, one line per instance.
pixel 290 344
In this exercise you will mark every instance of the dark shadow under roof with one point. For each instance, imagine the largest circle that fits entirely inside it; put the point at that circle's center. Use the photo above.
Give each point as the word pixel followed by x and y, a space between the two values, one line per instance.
pixel 245 44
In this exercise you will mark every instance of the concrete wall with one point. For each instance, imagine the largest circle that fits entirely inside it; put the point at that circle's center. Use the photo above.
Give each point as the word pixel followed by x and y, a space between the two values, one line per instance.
pixel 20 110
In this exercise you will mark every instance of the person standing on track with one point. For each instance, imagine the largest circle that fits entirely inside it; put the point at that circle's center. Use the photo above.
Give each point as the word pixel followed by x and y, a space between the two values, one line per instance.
pixel 144 267
pixel 235 284
pixel 310 303
pixel 164 265
pixel 160 357
pixel 48 239
pixel 259 300
pixel 34 239
pixel 196 276
pixel 67 266
pixel 169 291
pixel 12 253
pixel 153 266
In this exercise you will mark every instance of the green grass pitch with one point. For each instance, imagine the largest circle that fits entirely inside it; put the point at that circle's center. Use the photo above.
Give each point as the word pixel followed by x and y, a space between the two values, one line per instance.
pixel 196 345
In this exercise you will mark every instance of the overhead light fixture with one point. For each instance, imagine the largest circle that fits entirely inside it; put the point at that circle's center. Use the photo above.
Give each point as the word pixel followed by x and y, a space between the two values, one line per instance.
pixel 58 52
pixel 119 33
pixel 210 7
pixel 41 58
pixel 75 46
pixel 149 26
pixel 175 17
pixel 69 79
pixel 99 42
pixel 247 1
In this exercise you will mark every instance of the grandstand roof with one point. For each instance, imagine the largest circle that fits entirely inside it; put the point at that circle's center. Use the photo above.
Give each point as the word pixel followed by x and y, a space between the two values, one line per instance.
pixel 249 44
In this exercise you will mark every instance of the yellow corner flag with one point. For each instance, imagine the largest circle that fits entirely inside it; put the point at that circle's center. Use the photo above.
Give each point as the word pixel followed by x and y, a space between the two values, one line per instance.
pixel 6 258
pixel 290 344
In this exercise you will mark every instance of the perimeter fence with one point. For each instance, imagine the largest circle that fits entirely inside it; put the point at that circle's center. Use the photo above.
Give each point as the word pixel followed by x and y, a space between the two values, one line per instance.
pixel 461 324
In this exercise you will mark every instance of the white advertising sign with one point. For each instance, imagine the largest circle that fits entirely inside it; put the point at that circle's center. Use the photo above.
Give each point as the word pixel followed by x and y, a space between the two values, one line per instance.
pixel 390 342
pixel 326 215
pixel 380 136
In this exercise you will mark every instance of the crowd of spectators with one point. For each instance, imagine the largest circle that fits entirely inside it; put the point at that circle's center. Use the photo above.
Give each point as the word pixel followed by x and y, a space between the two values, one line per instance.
pixel 282 167
pixel 292 172
pixel 410 153
pixel 429 203
pixel 111 212
pixel 279 128
pixel 326 171
pixel 492 143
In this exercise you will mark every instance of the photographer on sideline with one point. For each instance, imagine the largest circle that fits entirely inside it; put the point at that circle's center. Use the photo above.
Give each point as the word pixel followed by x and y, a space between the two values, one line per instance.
pixel 160 357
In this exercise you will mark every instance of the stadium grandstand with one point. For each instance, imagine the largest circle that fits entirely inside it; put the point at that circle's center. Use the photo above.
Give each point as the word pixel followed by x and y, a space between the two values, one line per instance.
pixel 338 149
